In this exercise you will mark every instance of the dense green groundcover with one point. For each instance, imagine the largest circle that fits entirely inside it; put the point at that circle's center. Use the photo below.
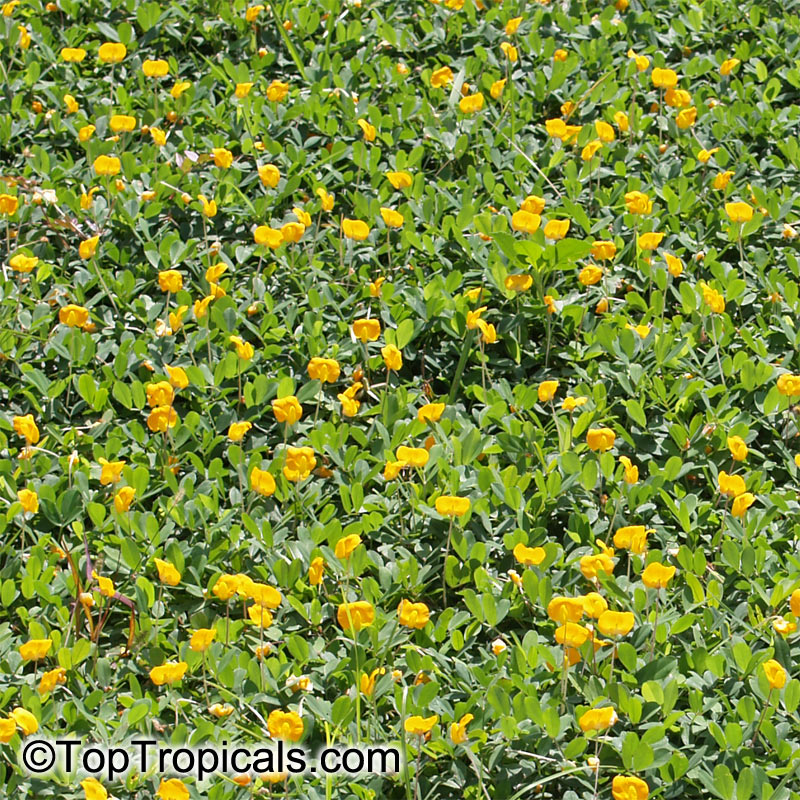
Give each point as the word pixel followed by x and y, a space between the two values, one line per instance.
pixel 676 350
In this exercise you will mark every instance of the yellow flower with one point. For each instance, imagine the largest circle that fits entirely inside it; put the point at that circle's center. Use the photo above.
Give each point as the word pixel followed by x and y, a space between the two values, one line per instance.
pixel 368 130
pixel 705 155
pixel 525 221
pixel 776 674
pixel 510 51
pixel 277 91
pixel 728 65
pixel 664 78
pixel 722 179
pixel 594 604
pixel 112 52
pixel 413 615
pixel 110 472
pixel 419 726
pixel 600 439
pixel 222 157
pixel 592 564
pixel 325 370
pixel 85 133
pixel 603 251
pixel 546 390
pixel 674 265
pixel 285 725
pixel 657 575
pixel 221 711
pixel 739 212
pixel 177 377
pixel 392 357
pixel 107 165
pixel 355 616
pixel 686 118
pixel 172 789
pixel 677 98
pixel 533 204
pixel 243 89
pixel 731 485
pixel 155 69
pixel 441 77
pixel 209 207
pixel 238 430
pixel 367 330
pixel 167 573
pixel 35 649
pixel 604 131
pixel 400 180
pixel 71 104
pixel 590 275
pixel 789 385
pixel 8 204
pixel 621 120
pixel 615 623
pixel 269 175
pixel 299 463
pixel 529 556
pixel 226 587
pixel 160 394
pixel 512 25
pixel 571 403
pixel 158 136
pixel 518 283
pixel 472 102
pixel 122 502
pixel 170 280
pixel 392 218
pixel 431 412
pixel 51 679
pixel 27 428
pixel 29 500
pixel 560 55
pixel 571 634
pixel 495 91
pixel 638 203
pixel 122 122
pixel 316 570
pixel 556 229
pixel 783 626
pixel 488 332
pixel 713 299
pixel 738 448
pixel 367 682
pixel 355 229
pixel 292 231
pixel 244 349
pixel 375 287
pixel 252 13
pixel 346 545
pixel 179 88
pixel 272 237
pixel 261 481
pixel 629 788
pixel 452 506
pixel 650 241
pixel 201 639
pixel 631 470
pixel 588 152
pixel 598 719
pixel 741 503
